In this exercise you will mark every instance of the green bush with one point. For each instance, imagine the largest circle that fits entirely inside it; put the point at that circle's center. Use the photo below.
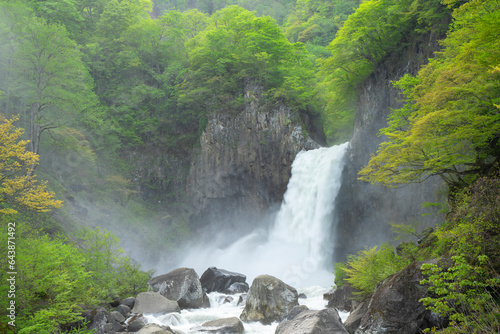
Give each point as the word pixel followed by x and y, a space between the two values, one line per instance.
pixel 369 267
pixel 465 293
pixel 113 272
pixel 56 281
pixel 51 284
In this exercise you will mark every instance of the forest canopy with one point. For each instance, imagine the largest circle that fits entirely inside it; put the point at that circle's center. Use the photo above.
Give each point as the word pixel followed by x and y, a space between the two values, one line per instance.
pixel 97 83
pixel 450 123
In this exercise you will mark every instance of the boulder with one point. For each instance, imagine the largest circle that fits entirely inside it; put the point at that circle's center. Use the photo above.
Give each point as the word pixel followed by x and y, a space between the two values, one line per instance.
pixel 116 320
pixel 354 319
pixel 124 310
pixel 108 328
pixel 395 308
pixel 98 319
pixel 136 323
pixel 115 302
pixel 116 316
pixel 269 299
pixel 342 298
pixel 296 311
pixel 128 301
pixel 182 285
pixel 326 321
pixel 155 329
pixel 152 302
pixel 223 326
pixel 117 327
pixel 219 280
pixel 237 287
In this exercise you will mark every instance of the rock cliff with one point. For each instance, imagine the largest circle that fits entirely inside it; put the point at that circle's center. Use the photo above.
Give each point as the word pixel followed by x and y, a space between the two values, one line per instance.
pixel 364 210
pixel 243 164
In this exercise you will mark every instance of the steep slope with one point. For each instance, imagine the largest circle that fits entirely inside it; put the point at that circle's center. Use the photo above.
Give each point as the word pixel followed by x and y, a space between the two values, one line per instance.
pixel 364 210
pixel 242 166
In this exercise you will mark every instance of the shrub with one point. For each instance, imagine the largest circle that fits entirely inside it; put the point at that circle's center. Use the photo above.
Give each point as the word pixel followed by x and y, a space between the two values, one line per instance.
pixel 369 267
pixel 465 293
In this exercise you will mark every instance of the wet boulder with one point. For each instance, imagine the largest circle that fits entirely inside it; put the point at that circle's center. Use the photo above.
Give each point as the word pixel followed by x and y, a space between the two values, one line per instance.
pixel 128 301
pixel 326 321
pixel 152 302
pixel 342 298
pixel 155 329
pixel 223 326
pixel 214 279
pixel 269 299
pixel 98 319
pixel 354 320
pixel 124 310
pixel 136 323
pixel 182 285
pixel 395 308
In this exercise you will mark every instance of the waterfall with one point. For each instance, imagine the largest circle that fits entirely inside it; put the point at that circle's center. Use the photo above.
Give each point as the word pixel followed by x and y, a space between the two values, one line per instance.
pixel 297 248
pixel 307 209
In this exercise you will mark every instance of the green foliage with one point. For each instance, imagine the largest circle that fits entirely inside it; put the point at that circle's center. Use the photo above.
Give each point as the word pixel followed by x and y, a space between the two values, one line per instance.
pixel 277 9
pixel 340 274
pixel 51 282
pixel 377 29
pixel 450 124
pixel 113 272
pixel 56 281
pixel 240 48
pixel 464 293
pixel 369 267
pixel 472 227
pixel 317 21
pixel 48 84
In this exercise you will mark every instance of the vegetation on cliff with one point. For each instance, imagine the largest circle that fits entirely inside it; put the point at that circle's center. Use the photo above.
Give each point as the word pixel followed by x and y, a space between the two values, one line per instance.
pixel 96 84
pixel 449 126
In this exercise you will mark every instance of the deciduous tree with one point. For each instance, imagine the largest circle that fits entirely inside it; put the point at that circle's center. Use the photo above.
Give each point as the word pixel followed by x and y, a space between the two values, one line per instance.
pixel 18 186
pixel 450 124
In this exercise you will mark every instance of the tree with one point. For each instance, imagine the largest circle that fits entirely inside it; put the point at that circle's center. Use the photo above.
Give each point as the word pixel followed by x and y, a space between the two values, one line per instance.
pixel 239 48
pixel 50 79
pixel 378 29
pixel 450 124
pixel 18 187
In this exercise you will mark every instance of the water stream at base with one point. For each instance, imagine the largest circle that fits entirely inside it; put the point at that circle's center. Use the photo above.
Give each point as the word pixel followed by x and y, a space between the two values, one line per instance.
pixel 297 249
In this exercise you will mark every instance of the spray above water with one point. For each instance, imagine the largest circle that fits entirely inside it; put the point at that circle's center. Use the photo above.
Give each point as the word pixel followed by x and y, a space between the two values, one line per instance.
pixel 298 248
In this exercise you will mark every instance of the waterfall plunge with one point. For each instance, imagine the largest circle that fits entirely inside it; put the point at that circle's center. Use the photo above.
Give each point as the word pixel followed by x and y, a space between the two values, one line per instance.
pixel 297 249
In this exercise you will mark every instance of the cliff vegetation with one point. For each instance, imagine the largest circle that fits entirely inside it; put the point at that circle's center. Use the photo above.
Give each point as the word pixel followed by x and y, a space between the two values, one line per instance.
pixel 105 103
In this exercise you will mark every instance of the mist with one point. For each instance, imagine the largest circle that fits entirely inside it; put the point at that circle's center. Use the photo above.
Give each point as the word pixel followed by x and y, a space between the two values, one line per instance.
pixel 295 245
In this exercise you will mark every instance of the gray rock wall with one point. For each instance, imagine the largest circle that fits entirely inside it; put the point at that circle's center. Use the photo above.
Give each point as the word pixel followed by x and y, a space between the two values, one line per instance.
pixel 364 211
pixel 244 161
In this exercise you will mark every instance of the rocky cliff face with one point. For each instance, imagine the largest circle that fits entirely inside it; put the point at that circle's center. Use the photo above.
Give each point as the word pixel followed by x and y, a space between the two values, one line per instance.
pixel 365 210
pixel 243 164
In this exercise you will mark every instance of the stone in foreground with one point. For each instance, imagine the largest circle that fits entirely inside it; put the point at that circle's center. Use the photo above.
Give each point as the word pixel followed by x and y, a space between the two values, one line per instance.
pixel 214 279
pixel 269 299
pixel 395 307
pixel 182 285
pixel 155 329
pixel 313 322
pixel 154 303
pixel 223 326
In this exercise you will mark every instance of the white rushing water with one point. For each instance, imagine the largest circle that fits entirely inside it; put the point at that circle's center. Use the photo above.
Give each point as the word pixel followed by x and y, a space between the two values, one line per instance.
pixel 297 249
